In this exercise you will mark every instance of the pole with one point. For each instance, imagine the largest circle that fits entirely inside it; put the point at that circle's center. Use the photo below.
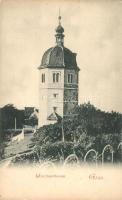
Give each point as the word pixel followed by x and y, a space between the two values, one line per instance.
pixel 112 155
pixel 15 123
pixel 62 131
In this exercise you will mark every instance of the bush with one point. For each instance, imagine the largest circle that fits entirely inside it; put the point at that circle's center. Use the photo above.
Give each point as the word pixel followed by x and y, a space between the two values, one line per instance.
pixel 90 128
pixel 25 158
pixel 55 151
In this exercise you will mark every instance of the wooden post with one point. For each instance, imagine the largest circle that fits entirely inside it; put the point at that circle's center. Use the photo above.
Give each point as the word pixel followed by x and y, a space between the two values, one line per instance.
pixel 15 123
pixel 62 131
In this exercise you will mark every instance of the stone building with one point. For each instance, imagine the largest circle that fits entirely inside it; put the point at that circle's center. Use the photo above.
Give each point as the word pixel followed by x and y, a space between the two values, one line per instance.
pixel 58 84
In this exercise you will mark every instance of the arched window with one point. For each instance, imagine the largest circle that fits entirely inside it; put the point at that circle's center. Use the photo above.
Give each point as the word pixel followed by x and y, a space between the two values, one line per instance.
pixel 43 78
pixel 70 78
pixel 56 77
pixel 77 77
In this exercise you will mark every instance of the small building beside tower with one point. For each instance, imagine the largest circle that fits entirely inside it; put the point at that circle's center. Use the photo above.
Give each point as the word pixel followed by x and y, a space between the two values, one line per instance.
pixel 58 81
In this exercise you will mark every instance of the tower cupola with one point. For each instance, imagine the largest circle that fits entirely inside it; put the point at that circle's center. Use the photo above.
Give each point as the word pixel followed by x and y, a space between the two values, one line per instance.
pixel 59 33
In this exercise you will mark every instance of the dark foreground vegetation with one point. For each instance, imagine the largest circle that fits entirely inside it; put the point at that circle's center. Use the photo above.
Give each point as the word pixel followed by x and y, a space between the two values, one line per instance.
pixel 89 128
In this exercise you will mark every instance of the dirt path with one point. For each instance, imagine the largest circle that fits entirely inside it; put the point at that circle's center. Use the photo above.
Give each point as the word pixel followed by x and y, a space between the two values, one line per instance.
pixel 15 147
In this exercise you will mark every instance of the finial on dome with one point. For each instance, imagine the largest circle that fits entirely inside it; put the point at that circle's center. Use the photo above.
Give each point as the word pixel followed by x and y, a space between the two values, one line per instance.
pixel 59 32
pixel 59 17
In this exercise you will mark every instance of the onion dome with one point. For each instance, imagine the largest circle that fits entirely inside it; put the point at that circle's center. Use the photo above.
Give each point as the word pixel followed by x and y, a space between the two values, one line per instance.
pixel 59 29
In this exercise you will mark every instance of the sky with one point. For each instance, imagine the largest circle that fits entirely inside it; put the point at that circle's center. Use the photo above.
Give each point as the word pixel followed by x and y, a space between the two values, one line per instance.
pixel 93 30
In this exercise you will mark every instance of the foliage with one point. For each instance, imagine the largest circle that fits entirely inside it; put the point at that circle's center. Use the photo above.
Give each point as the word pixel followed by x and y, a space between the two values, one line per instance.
pixel 98 122
pixel 89 128
pixel 8 115
pixel 32 121
pixel 25 158
pixel 54 151
pixel 2 148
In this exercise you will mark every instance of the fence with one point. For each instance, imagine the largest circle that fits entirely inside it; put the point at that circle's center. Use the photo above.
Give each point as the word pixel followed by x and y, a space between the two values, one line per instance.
pixel 92 156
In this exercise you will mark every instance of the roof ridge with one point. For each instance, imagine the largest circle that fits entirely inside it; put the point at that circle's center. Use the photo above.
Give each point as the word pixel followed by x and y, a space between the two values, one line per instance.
pixel 50 54
pixel 63 54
